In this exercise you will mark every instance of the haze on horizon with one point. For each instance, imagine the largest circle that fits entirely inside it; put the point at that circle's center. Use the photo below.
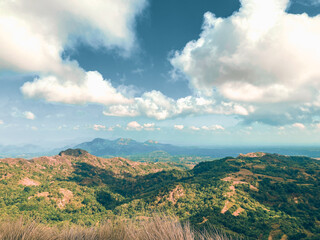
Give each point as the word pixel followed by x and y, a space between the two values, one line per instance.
pixel 210 73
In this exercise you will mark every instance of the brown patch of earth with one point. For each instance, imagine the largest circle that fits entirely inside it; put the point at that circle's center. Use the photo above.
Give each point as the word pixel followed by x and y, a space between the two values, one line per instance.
pixel 226 207
pixel 175 194
pixel 236 182
pixel 254 188
pixel 244 172
pixel 279 179
pixel 259 166
pixel 204 220
pixel 67 196
pixel 29 182
pixel 252 155
pixel 238 211
pixel 233 191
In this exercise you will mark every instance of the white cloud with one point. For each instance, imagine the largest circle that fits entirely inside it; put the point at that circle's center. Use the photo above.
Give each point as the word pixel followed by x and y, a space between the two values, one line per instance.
pixel 1 122
pixel 34 128
pixel 76 127
pixel 28 115
pixel 213 127
pixel 34 34
pixel 261 55
pixel 138 127
pixel 237 56
pixel 62 127
pixel 150 127
pixel 98 127
pixel 156 105
pixel 299 125
pixel 93 88
pixel 179 127
pixel 134 126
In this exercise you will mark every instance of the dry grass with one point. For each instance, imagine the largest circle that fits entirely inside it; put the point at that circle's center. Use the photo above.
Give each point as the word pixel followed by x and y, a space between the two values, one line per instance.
pixel 155 228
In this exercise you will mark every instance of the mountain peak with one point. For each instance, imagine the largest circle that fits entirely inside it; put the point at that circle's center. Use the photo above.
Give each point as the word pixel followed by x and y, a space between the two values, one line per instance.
pixel 73 152
pixel 124 141
pixel 151 142
pixel 252 154
pixel 97 140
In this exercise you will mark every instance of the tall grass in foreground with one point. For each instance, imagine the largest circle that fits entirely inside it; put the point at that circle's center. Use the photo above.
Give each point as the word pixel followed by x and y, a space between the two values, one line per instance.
pixel 156 228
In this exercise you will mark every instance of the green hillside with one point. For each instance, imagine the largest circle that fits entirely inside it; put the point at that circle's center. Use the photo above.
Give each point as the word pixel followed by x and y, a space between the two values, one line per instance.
pixel 256 196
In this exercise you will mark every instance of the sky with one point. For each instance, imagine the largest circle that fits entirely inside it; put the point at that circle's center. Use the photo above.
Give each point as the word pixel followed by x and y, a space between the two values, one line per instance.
pixel 200 73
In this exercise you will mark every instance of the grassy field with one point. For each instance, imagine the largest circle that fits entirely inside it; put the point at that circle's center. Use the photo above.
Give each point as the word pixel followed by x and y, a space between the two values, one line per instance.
pixel 155 228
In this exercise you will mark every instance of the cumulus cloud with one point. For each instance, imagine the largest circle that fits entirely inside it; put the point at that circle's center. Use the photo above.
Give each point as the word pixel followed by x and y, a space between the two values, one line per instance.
pixel 260 55
pixel 213 127
pixel 207 128
pixel 150 127
pixel 179 127
pixel 134 125
pixel 76 128
pixel 98 127
pixel 28 115
pixel 92 89
pixel 34 34
pixel 156 105
pixel 261 63
pixel 299 125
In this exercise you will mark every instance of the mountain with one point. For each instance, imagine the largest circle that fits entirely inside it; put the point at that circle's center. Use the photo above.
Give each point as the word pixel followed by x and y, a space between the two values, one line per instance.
pixel 154 151
pixel 254 196
pixel 130 148
pixel 22 150
pixel 127 146
pixel 27 151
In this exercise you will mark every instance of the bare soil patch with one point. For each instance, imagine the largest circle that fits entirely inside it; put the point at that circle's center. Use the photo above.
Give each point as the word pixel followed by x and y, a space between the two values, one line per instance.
pixel 238 211
pixel 226 207
pixel 29 182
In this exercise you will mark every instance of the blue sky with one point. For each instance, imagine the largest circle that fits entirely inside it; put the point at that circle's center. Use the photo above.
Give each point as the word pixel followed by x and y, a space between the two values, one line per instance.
pixel 198 73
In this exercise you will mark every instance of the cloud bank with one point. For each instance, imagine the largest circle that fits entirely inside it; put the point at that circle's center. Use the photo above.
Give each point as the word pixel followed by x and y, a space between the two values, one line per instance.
pixel 156 105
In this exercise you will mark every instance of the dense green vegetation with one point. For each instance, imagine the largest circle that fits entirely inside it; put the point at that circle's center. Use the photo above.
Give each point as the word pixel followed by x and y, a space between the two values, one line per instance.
pixel 256 196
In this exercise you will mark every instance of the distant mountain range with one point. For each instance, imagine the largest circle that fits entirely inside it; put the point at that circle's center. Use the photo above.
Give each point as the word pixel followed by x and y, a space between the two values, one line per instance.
pixel 130 147
pixel 28 151
pixel 154 150
pixel 127 146
pixel 20 150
